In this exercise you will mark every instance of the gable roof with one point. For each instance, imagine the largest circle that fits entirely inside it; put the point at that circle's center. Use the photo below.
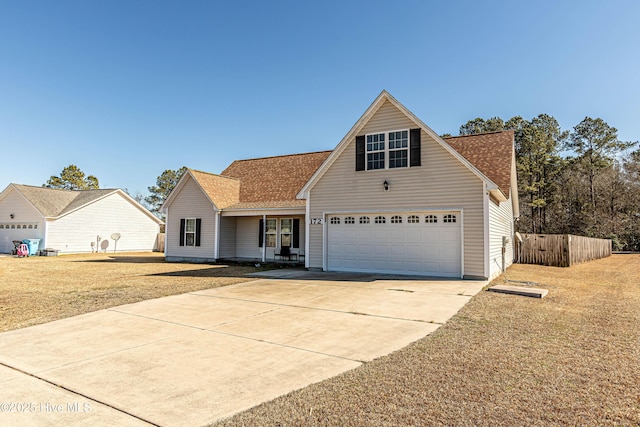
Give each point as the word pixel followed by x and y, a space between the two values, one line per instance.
pixel 373 108
pixel 490 152
pixel 222 191
pixel 274 181
pixel 55 203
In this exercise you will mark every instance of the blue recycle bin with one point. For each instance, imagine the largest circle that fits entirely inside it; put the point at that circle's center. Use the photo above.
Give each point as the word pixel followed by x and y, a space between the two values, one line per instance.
pixel 32 244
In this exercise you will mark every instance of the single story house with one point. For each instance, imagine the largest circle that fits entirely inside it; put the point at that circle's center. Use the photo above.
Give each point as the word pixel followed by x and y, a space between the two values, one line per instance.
pixel 391 197
pixel 75 221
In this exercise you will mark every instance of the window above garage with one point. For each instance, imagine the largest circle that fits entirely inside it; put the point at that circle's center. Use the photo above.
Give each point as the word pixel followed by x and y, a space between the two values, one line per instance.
pixel 388 150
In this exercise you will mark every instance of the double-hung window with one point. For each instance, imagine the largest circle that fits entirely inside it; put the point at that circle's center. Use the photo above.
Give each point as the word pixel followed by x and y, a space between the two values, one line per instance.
pixel 399 149
pixel 272 233
pixel 376 151
pixel 189 231
pixel 286 227
pixel 388 150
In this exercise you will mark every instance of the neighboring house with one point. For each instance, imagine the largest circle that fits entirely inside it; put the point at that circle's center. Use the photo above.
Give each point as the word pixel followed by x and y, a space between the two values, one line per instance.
pixel 75 221
pixel 392 197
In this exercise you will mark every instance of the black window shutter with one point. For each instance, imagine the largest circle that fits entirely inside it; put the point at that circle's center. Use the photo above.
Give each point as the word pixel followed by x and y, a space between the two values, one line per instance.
pixel 198 225
pixel 361 154
pixel 296 232
pixel 261 233
pixel 415 147
pixel 182 231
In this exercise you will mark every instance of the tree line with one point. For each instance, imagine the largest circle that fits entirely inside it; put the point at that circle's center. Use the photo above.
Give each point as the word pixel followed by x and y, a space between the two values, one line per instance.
pixel 584 181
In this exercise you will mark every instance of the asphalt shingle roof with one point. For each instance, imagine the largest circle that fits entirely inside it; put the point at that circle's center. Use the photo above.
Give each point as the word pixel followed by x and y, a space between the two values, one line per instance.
pixel 490 152
pixel 274 181
pixel 222 191
pixel 52 202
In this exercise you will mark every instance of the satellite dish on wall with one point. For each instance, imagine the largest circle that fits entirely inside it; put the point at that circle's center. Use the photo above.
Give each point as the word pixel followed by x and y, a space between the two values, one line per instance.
pixel 519 237
pixel 115 237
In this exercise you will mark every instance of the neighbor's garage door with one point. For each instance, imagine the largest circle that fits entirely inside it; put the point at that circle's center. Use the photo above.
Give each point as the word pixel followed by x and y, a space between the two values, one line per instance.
pixel 421 243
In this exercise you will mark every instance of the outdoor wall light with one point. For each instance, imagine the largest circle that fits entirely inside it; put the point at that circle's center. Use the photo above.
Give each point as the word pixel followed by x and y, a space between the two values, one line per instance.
pixel 11 216
pixel 386 185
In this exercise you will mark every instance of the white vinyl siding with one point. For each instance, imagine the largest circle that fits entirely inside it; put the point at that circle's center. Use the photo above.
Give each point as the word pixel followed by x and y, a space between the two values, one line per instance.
pixel 74 233
pixel 247 238
pixel 500 225
pixel 228 227
pixel 442 182
pixel 24 214
pixel 191 202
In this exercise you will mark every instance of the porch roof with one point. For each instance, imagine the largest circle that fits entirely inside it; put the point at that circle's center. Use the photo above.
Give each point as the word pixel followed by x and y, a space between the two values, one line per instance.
pixel 274 181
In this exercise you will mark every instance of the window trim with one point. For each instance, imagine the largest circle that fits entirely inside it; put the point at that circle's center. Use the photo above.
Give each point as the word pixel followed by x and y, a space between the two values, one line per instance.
pixel 290 233
pixel 268 233
pixel 406 149
pixel 387 150
pixel 187 233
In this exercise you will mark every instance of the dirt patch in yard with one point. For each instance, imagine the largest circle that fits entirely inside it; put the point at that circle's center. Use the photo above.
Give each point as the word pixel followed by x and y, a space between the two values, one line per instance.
pixel 36 290
pixel 572 358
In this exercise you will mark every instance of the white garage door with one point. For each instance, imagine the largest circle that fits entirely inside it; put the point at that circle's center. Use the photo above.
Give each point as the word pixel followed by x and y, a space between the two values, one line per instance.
pixel 420 243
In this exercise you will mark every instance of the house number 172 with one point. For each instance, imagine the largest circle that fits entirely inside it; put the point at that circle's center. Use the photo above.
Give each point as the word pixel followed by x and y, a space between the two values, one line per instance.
pixel 316 221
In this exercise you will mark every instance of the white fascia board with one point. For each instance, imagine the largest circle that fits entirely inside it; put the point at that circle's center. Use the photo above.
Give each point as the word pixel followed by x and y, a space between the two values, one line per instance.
pixel 181 183
pixel 386 96
pixel 141 208
pixel 373 108
pixel 121 193
pixel 12 187
pixel 172 195
pixel 300 210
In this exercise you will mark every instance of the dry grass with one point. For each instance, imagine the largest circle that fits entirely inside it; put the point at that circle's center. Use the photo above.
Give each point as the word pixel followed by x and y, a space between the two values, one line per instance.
pixel 36 290
pixel 572 358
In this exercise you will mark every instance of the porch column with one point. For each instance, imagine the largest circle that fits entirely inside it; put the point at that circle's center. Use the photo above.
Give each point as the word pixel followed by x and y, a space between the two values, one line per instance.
pixel 264 238
pixel 216 244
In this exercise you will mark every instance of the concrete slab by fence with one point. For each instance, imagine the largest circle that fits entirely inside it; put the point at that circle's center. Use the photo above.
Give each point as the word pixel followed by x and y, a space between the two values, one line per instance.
pixel 520 290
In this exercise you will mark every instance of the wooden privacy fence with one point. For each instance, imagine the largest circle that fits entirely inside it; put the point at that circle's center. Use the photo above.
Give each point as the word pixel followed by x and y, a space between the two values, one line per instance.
pixel 561 250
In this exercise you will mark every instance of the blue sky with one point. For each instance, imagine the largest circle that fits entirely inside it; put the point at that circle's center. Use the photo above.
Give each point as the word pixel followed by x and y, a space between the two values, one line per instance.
pixel 128 89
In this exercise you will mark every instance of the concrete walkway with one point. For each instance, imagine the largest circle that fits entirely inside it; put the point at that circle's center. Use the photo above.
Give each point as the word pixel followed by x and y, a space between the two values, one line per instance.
pixel 191 359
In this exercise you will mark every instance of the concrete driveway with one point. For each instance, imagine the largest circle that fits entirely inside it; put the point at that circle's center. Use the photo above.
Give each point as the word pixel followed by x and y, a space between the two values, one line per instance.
pixel 195 358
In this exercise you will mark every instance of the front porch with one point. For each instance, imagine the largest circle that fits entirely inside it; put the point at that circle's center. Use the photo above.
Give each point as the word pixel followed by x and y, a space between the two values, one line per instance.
pixel 273 237
pixel 277 262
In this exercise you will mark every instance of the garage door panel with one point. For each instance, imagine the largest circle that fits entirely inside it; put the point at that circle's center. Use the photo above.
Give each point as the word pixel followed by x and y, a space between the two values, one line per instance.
pixel 413 251
pixel 380 250
pixel 448 251
pixel 431 251
pixel 397 250
pixel 426 248
pixel 413 235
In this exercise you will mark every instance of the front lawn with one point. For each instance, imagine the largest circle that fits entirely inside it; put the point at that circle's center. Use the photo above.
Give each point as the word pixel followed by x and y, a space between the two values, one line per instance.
pixel 36 290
